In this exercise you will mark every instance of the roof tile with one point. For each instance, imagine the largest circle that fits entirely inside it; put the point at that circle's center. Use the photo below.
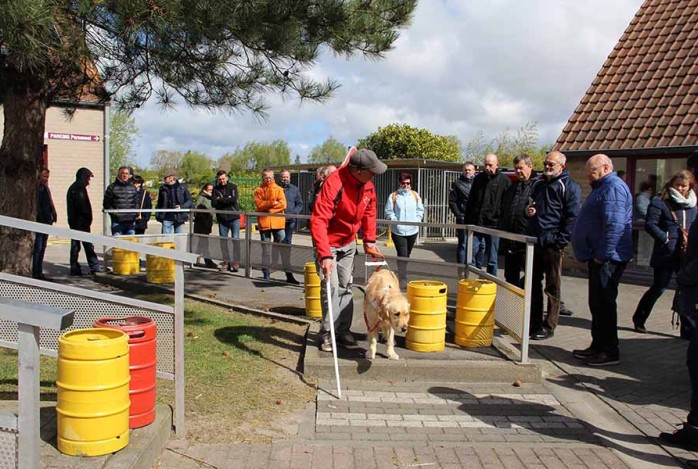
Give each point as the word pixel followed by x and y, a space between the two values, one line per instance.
pixel 646 93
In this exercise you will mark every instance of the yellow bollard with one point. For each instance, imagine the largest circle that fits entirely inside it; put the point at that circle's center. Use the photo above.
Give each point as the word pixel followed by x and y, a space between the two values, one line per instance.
pixel 390 243
pixel 160 269
pixel 313 307
pixel 93 386
pixel 125 262
pixel 475 312
pixel 426 331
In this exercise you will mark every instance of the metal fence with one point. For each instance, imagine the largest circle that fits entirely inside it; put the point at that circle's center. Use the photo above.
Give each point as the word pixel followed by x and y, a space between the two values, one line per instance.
pixel 90 305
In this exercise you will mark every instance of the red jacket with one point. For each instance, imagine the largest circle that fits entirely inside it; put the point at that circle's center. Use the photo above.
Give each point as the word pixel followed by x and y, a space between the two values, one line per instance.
pixel 336 225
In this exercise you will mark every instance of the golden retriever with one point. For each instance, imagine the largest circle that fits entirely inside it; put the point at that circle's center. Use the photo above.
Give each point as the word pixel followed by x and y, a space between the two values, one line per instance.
pixel 385 307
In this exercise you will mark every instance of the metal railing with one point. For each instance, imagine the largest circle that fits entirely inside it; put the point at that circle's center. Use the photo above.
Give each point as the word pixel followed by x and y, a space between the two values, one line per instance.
pixel 512 304
pixel 88 303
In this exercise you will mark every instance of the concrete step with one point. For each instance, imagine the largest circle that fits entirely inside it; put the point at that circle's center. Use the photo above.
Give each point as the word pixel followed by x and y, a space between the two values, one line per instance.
pixel 454 363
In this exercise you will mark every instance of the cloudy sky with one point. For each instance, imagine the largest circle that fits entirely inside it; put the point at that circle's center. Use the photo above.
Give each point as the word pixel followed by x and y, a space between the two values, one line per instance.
pixel 462 66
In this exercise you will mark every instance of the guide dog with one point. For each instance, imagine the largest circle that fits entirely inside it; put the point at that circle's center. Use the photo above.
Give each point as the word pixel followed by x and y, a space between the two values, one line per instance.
pixel 385 307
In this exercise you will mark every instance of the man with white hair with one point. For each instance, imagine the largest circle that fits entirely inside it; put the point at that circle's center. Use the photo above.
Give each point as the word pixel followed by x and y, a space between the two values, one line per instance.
pixel 602 238
pixel 555 201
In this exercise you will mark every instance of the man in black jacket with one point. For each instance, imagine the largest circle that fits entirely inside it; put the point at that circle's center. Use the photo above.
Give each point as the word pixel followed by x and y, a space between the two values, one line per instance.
pixel 553 213
pixel 45 213
pixel 225 197
pixel 457 200
pixel 515 220
pixel 121 195
pixel 80 218
pixel 483 209
pixel 173 195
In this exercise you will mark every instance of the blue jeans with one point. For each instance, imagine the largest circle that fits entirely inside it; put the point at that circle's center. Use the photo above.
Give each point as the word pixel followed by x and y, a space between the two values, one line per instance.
pixel 603 292
pixel 462 246
pixel 40 241
pixel 276 251
pixel 662 277
pixel 486 247
pixel 232 227
pixel 90 254
pixel 171 226
pixel 123 228
pixel 290 228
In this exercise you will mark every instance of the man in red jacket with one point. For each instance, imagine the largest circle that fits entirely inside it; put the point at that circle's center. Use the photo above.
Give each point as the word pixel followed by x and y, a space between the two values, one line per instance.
pixel 346 203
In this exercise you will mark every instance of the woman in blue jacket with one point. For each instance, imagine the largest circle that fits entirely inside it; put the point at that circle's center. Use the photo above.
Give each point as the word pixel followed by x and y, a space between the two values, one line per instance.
pixel 669 217
pixel 404 205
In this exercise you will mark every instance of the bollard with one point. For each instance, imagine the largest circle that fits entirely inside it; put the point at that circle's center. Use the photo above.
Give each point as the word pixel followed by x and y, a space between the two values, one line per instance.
pixel 475 312
pixel 125 262
pixel 160 269
pixel 426 331
pixel 313 306
pixel 93 380
pixel 142 334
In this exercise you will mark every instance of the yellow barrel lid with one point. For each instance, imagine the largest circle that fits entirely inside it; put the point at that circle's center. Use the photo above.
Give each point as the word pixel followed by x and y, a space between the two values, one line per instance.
pixel 93 344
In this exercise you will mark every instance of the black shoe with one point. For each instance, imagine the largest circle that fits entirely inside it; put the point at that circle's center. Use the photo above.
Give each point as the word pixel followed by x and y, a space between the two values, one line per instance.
pixel 686 437
pixel 292 280
pixel 583 353
pixel 43 277
pixel 640 329
pixel 602 359
pixel 564 311
pixel 346 339
pixel 542 334
pixel 325 343
pixel 76 273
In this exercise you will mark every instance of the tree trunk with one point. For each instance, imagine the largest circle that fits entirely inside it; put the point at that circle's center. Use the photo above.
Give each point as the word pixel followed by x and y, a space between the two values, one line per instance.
pixel 24 108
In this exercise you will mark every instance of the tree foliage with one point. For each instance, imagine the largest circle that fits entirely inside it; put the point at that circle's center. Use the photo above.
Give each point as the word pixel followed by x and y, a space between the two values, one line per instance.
pixel 397 141
pixel 507 145
pixel 196 169
pixel 330 151
pixel 255 156
pixel 122 133
pixel 217 54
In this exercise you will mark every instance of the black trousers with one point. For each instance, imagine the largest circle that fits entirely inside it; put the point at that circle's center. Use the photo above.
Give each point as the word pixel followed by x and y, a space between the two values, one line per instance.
pixel 603 292
pixel 403 246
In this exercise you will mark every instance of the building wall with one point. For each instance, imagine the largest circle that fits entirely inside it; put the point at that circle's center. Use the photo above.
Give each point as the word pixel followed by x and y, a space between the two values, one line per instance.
pixel 65 157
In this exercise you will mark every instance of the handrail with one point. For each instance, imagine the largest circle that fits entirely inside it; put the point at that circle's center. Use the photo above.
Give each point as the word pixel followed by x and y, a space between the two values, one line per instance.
pixel 100 240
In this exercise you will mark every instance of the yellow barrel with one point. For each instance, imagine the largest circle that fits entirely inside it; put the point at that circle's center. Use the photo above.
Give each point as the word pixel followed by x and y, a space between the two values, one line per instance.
pixel 93 385
pixel 313 306
pixel 125 262
pixel 160 269
pixel 475 312
pixel 426 331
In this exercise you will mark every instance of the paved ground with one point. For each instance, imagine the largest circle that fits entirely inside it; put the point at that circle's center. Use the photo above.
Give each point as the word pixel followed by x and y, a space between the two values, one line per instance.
pixel 578 417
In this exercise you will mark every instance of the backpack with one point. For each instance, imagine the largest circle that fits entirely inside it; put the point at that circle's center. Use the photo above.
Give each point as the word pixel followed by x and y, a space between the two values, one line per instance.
pixel 414 194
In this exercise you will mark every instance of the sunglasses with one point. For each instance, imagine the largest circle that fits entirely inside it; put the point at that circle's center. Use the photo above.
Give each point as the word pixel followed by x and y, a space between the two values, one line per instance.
pixel 405 183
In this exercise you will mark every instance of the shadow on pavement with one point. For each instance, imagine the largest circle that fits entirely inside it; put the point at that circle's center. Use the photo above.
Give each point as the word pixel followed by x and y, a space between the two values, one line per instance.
pixel 553 424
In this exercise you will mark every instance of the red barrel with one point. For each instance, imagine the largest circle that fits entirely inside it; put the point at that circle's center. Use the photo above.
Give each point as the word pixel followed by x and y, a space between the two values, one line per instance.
pixel 142 365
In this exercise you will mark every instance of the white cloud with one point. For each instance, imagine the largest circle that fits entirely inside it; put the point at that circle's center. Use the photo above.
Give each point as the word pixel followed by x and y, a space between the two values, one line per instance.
pixel 462 66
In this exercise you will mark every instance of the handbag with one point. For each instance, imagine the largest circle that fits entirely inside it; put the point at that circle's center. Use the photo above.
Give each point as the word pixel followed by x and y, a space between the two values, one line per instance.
pixel 686 301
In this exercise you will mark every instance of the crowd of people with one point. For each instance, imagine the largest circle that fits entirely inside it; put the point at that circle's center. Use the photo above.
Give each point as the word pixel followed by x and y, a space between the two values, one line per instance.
pixel 343 202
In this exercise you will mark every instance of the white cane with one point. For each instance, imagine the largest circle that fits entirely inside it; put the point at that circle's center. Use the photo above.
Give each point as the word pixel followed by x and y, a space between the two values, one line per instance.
pixel 334 341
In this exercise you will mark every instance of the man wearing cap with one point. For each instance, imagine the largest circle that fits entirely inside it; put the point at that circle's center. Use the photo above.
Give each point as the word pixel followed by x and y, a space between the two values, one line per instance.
pixel 173 195
pixel 345 204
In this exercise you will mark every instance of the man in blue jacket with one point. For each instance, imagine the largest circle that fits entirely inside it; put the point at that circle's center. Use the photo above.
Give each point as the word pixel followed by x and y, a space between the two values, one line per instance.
pixel 555 201
pixel 294 206
pixel 602 238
